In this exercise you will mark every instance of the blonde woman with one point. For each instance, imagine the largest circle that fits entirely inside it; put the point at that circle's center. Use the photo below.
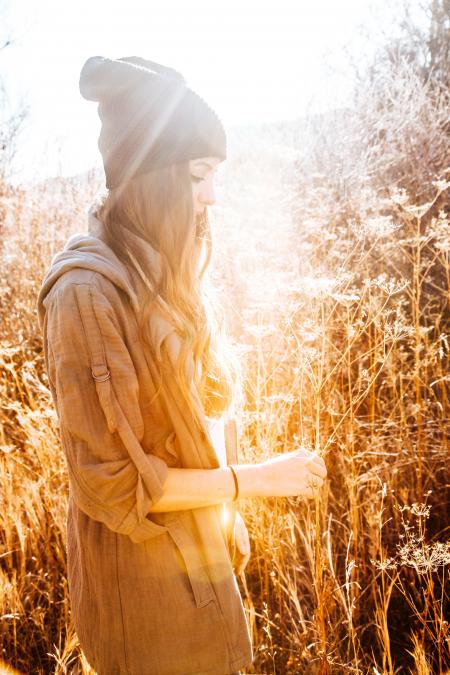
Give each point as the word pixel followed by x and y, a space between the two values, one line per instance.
pixel 144 387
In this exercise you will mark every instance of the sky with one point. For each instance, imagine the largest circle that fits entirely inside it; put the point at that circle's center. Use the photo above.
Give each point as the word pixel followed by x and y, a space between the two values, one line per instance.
pixel 253 61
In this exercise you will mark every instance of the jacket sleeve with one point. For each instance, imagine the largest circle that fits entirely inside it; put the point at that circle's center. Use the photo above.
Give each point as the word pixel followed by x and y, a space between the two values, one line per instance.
pixel 95 389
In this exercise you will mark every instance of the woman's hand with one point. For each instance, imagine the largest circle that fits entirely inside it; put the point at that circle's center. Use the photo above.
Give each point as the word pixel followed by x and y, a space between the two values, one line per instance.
pixel 242 540
pixel 297 473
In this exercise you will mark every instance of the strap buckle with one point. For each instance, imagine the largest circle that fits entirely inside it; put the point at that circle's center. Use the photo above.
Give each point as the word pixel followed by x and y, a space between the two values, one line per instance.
pixel 100 374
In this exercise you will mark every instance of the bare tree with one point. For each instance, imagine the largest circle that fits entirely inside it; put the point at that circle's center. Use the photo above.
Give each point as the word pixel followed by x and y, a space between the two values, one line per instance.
pixel 11 118
pixel 422 40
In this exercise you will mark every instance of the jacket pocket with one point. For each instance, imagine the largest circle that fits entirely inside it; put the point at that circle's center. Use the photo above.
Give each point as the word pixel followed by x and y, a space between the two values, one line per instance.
pixel 199 580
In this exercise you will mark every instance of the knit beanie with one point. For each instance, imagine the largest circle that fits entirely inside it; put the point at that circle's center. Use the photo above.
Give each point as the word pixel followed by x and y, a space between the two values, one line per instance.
pixel 150 118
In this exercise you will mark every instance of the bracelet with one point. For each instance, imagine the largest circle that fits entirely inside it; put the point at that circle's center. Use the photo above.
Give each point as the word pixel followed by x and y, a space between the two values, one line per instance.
pixel 236 484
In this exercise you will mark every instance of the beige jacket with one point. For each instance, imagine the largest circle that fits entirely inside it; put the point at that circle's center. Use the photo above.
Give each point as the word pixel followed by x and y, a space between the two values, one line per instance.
pixel 151 593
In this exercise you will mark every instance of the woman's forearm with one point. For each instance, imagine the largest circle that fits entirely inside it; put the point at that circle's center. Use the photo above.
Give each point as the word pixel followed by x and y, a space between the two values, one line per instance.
pixel 195 488
pixel 290 474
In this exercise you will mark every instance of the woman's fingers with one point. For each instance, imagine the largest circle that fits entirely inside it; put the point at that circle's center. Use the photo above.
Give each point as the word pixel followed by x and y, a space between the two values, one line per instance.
pixel 310 493
pixel 289 474
pixel 242 540
pixel 317 471
pixel 240 561
pixel 317 466
pixel 315 482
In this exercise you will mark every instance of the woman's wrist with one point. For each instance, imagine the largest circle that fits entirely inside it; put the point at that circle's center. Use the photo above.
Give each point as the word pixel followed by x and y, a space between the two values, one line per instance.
pixel 196 488
pixel 236 482
pixel 250 480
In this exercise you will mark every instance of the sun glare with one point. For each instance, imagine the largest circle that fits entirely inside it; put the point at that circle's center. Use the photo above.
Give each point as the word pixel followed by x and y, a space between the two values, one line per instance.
pixel 253 63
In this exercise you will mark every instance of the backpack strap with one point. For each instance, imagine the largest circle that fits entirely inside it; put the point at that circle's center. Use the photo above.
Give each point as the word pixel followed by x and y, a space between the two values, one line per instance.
pixel 97 354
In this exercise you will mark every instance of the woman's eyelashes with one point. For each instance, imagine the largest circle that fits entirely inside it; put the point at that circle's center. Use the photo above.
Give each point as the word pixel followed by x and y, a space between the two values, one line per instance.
pixel 199 179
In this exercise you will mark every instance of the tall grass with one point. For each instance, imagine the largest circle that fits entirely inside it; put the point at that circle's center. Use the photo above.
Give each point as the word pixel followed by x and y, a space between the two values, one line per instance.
pixel 334 271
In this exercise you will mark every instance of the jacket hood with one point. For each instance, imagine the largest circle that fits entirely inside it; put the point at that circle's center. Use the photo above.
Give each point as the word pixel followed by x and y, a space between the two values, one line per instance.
pixel 90 251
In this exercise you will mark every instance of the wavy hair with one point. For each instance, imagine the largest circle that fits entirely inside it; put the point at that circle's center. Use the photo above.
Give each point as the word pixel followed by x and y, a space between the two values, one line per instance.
pixel 158 207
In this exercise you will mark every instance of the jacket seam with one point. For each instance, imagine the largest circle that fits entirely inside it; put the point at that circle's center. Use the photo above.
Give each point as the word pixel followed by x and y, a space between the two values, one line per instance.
pixel 122 621
pixel 52 357
pixel 125 518
pixel 94 313
pixel 88 282
pixel 82 322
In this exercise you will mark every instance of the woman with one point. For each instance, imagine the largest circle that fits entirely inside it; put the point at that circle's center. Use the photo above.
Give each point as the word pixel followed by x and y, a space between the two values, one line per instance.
pixel 144 388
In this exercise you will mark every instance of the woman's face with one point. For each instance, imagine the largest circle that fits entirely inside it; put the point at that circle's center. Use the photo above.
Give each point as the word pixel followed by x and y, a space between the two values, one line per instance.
pixel 202 172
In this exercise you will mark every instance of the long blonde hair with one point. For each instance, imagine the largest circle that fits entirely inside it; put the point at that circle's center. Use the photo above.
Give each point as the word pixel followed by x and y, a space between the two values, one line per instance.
pixel 158 208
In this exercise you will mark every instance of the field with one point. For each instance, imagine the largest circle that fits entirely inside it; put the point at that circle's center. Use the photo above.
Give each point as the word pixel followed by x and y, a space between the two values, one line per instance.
pixel 332 261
